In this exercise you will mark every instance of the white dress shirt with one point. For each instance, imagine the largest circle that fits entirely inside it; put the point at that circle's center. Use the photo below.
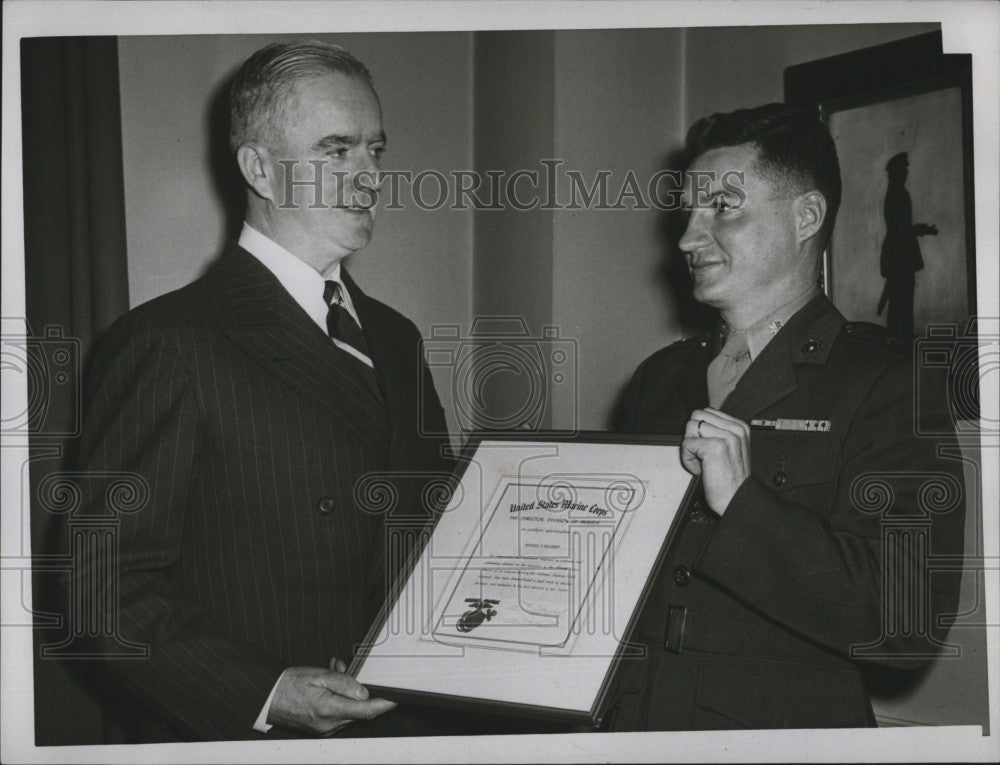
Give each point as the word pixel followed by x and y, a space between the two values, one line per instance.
pixel 303 282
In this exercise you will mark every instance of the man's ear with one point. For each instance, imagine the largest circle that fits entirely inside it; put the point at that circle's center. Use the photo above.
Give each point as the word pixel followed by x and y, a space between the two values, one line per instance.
pixel 810 214
pixel 255 169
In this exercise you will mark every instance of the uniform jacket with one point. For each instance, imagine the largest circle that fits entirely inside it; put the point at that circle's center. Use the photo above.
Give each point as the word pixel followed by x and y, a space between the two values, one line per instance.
pixel 764 617
pixel 264 454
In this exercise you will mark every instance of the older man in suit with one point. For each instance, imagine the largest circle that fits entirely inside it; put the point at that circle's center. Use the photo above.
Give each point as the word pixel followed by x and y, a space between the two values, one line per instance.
pixel 806 554
pixel 255 403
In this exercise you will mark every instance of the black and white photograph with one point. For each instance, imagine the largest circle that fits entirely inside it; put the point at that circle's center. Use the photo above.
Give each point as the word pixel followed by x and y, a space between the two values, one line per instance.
pixel 500 381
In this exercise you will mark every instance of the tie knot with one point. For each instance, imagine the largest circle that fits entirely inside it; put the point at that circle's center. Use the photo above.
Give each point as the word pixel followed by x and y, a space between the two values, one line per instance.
pixel 736 346
pixel 331 292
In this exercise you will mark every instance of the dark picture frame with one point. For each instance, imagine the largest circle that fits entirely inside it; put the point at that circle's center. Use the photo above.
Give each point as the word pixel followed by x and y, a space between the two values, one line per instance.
pixel 393 651
pixel 903 249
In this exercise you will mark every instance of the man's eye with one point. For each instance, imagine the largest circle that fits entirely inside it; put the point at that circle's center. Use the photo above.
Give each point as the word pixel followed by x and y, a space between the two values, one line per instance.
pixel 377 151
pixel 336 153
pixel 722 205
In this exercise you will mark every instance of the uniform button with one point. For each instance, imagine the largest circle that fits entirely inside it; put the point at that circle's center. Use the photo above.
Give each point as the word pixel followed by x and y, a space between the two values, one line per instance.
pixel 812 345
pixel 325 505
pixel 697 514
pixel 682 575
pixel 780 479
pixel 849 328
pixel 703 343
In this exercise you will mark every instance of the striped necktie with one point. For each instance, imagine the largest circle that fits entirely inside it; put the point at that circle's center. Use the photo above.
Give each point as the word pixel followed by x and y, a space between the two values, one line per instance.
pixel 343 328
pixel 340 325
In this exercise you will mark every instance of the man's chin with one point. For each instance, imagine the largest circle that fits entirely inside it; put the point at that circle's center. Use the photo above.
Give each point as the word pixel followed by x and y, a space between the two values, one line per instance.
pixel 705 291
pixel 354 241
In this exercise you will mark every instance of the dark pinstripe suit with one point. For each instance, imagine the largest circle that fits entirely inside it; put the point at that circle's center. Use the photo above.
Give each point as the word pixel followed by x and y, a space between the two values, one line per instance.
pixel 252 431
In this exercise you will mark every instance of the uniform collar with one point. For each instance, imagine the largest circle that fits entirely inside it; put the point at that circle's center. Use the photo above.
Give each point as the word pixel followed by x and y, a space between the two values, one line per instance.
pixel 806 338
pixel 763 331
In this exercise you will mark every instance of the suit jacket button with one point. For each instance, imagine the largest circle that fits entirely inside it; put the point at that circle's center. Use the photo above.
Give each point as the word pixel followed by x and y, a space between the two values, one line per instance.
pixel 780 479
pixel 849 328
pixel 325 505
pixel 682 575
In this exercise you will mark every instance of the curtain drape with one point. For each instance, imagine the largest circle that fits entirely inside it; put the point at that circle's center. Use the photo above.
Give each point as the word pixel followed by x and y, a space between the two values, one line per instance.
pixel 76 285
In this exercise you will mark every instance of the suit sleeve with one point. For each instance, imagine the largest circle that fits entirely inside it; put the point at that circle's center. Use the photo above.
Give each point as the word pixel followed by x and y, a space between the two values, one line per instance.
pixel 435 423
pixel 848 576
pixel 143 417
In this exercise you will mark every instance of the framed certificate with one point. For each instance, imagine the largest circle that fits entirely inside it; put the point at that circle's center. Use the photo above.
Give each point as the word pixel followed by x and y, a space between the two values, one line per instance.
pixel 523 597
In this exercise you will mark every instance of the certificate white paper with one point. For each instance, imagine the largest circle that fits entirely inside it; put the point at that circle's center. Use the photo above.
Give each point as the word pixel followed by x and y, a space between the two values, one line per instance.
pixel 525 592
pixel 543 545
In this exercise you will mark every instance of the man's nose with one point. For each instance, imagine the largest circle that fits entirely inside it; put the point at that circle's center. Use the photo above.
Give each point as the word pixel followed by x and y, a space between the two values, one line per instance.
pixel 367 174
pixel 696 233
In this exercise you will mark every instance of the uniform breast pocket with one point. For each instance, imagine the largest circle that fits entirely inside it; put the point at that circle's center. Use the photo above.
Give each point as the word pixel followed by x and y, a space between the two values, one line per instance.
pixel 789 460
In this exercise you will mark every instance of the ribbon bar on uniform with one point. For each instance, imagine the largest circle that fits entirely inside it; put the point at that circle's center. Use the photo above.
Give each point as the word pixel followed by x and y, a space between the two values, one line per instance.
pixel 790 424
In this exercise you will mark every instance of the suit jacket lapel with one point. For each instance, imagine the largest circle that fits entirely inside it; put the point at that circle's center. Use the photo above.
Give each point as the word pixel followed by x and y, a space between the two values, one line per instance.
pixel 397 381
pixel 768 379
pixel 806 339
pixel 266 322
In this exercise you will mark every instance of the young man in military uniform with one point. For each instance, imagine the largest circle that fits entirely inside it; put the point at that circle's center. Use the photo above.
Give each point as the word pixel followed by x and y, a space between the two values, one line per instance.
pixel 800 426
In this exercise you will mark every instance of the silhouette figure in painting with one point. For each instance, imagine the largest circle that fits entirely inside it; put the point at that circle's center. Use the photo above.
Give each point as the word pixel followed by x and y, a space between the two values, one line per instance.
pixel 901 257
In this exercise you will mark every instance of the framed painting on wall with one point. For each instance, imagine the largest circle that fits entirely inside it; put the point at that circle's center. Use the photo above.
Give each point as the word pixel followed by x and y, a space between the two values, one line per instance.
pixel 902 252
pixel 902 255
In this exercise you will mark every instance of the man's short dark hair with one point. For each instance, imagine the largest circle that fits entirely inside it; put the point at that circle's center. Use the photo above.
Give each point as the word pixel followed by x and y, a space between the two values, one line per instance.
pixel 795 152
pixel 258 97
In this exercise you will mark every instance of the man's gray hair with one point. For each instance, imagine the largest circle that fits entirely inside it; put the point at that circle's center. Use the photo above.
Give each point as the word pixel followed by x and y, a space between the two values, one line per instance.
pixel 259 95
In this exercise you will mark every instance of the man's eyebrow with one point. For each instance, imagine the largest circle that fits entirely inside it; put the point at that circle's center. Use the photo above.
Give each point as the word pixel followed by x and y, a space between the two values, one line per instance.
pixel 333 140
pixel 713 195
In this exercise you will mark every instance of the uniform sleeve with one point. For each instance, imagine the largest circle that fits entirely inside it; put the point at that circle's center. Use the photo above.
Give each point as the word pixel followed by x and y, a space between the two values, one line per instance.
pixel 856 573
pixel 143 417
pixel 625 415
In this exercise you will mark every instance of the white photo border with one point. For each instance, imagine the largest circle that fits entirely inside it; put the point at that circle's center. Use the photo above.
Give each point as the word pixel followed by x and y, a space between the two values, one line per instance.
pixel 967 27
